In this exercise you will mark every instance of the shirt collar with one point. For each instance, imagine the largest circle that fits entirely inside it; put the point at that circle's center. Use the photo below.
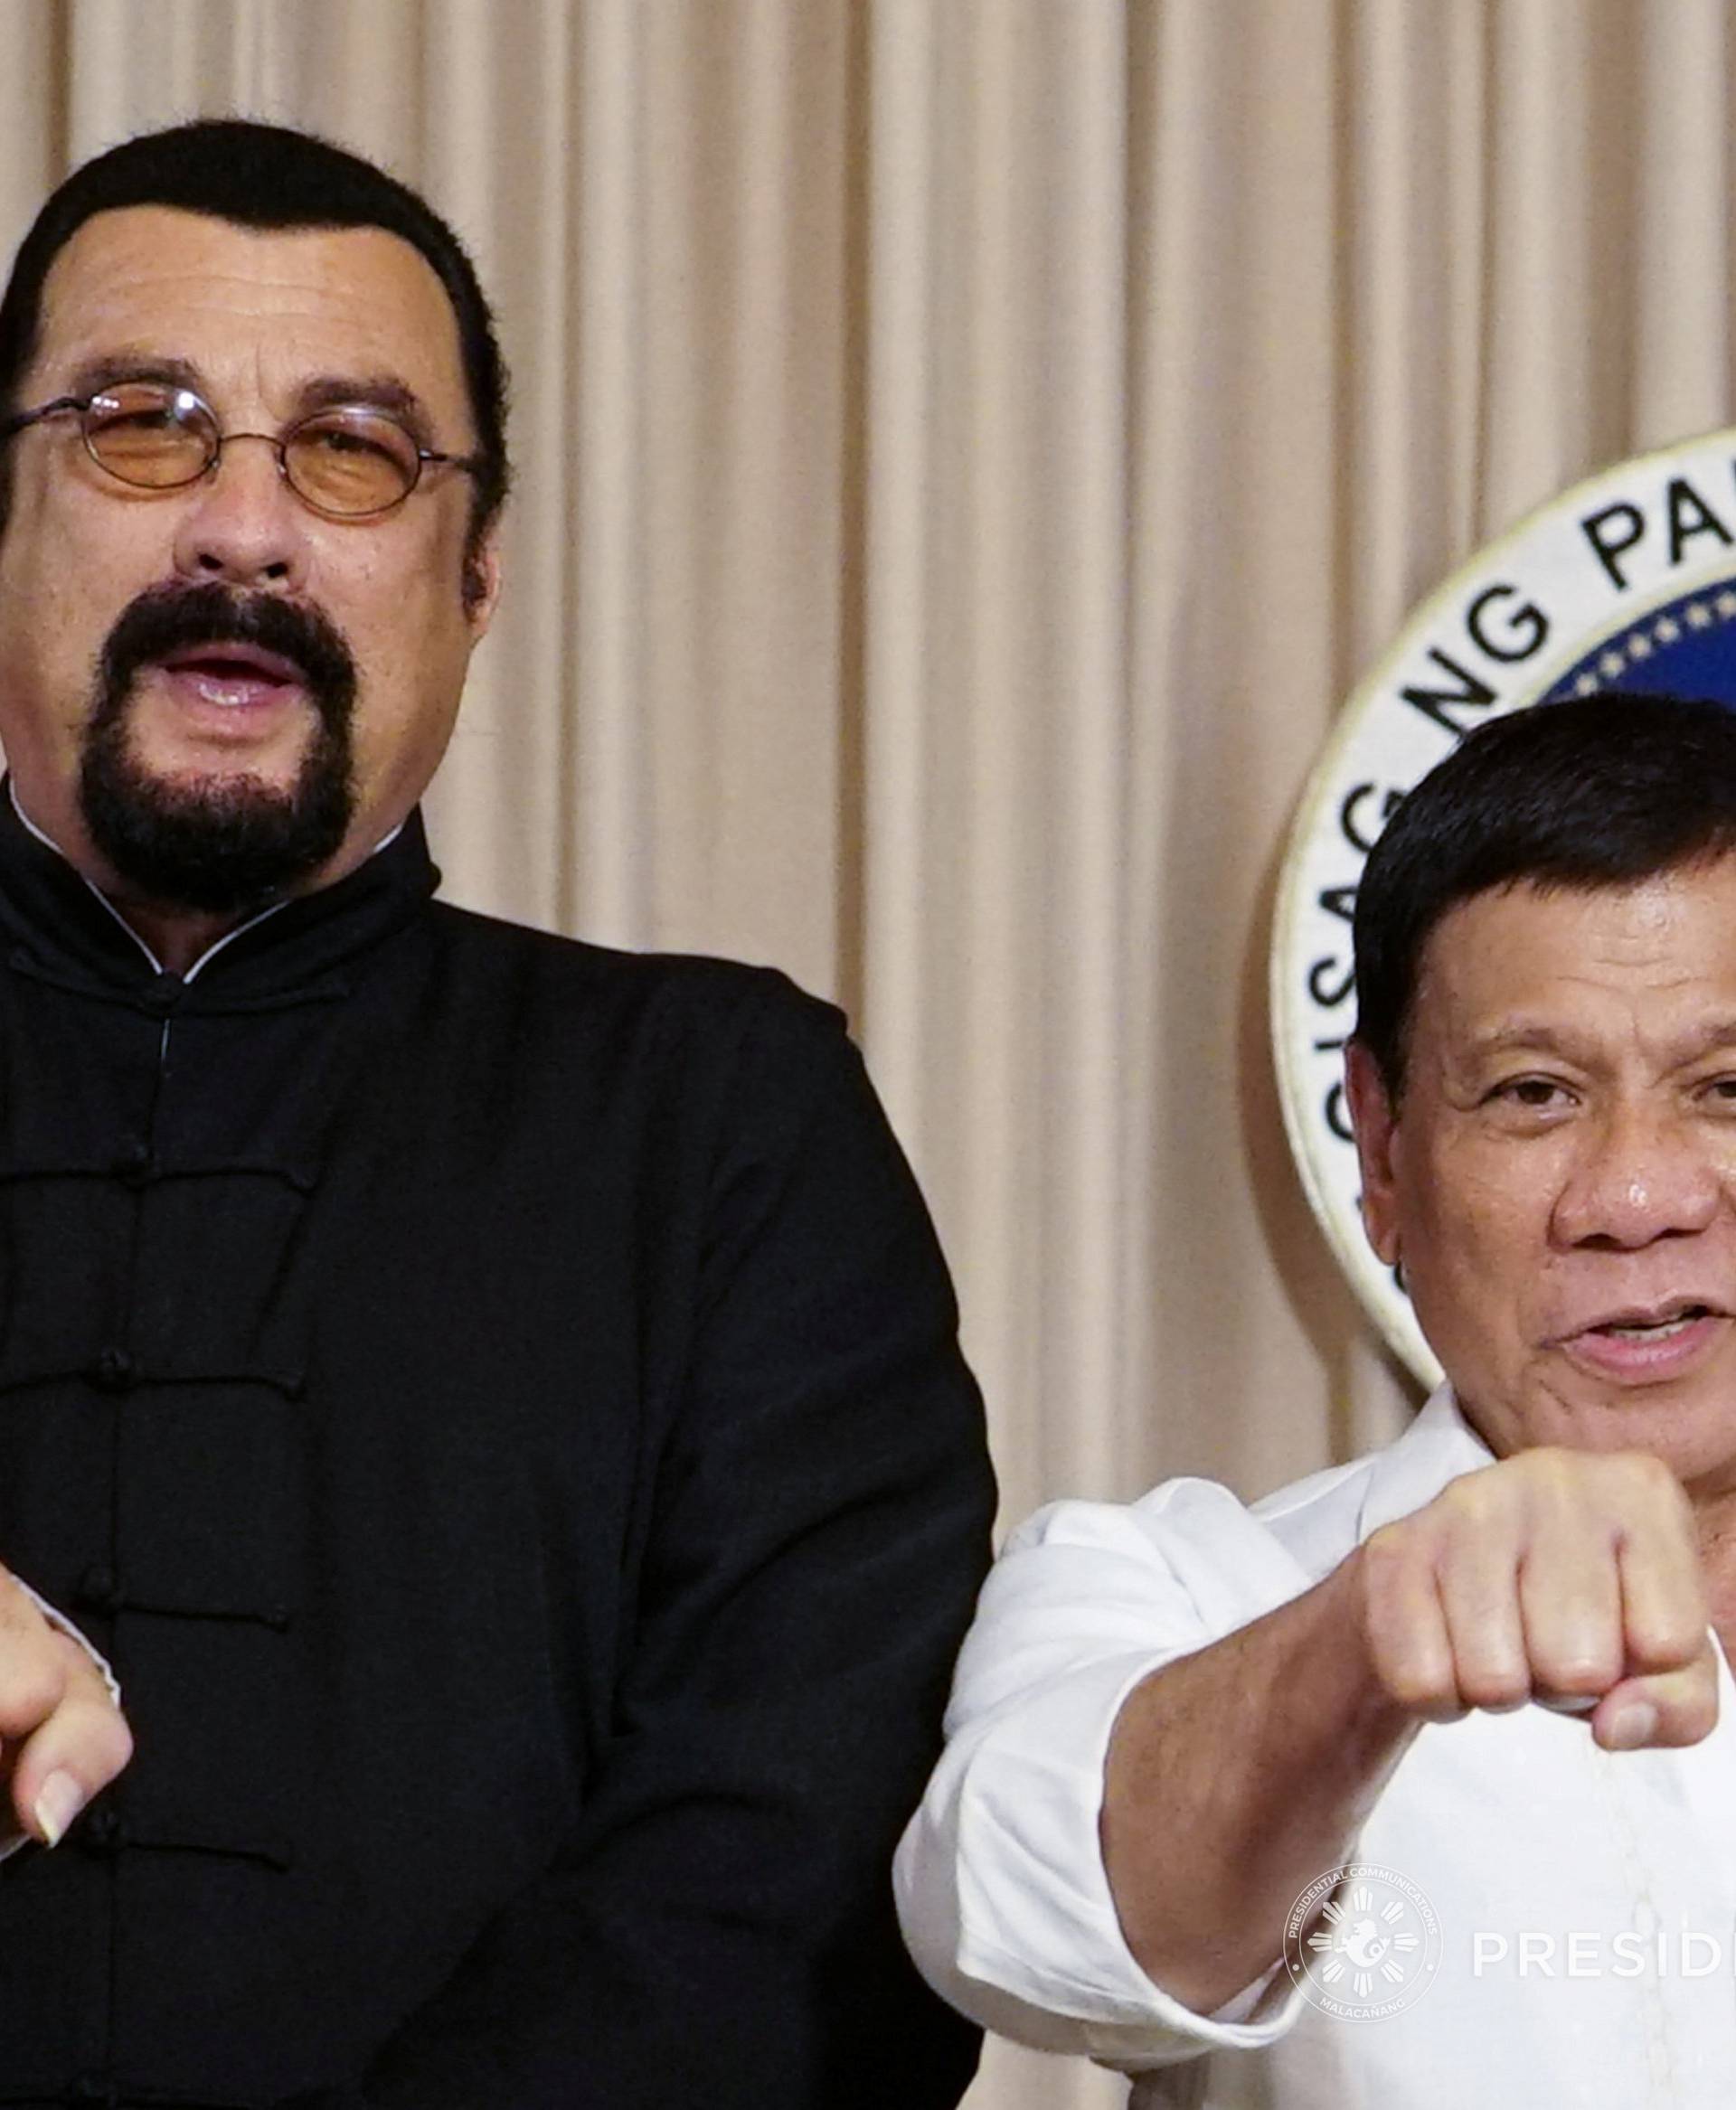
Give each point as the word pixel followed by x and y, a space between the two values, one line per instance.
pixel 54 923
pixel 1439 1445
pixel 210 951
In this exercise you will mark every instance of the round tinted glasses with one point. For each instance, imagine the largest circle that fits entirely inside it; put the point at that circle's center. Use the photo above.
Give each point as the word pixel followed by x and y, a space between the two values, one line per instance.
pixel 349 461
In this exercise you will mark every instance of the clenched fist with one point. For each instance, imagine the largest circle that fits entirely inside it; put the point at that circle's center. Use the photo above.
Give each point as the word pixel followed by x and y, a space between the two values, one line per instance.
pixel 62 1738
pixel 1571 1577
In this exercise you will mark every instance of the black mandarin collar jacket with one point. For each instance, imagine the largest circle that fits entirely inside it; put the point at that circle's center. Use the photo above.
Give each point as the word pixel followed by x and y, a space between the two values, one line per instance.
pixel 497 1403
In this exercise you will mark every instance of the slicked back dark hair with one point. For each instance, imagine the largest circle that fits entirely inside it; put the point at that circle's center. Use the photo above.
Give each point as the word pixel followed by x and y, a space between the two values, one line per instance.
pixel 275 179
pixel 1593 792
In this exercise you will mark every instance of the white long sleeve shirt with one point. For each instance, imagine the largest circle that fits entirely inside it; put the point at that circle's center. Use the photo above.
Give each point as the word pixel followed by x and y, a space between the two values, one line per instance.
pixel 1586 1901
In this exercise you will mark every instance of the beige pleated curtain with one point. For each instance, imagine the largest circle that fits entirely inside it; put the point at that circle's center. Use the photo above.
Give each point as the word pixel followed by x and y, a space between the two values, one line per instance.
pixel 968 448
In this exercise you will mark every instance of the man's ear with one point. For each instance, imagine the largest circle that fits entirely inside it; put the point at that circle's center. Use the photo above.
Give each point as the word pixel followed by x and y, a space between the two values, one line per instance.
pixel 1373 1120
pixel 480 582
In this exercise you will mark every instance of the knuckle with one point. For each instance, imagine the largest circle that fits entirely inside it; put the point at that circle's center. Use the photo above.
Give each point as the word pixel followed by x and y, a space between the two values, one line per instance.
pixel 1418 1689
pixel 102 1728
pixel 19 1618
pixel 1485 1512
pixel 1385 1549
pixel 1550 1465
pixel 1665 1640
pixel 1641 1469
pixel 1578 1673
pixel 1651 1471
pixel 78 1665
pixel 1406 1690
pixel 111 1744
pixel 32 1686
pixel 1638 1478
pixel 90 1738
pixel 1389 1558
pixel 1471 1498
pixel 1496 1688
pixel 1562 1486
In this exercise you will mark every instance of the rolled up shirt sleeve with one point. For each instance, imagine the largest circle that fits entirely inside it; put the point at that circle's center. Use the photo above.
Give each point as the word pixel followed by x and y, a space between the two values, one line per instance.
pixel 1000 1881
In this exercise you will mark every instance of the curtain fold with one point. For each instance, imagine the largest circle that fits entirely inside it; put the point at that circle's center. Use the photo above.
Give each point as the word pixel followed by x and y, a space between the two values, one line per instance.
pixel 968 450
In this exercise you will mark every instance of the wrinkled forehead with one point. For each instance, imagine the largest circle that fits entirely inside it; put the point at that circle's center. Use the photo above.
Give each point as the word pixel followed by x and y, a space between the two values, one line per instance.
pixel 1666 939
pixel 257 313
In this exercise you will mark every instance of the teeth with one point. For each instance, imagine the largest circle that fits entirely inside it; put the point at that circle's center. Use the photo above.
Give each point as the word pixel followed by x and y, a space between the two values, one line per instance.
pixel 1661 1330
pixel 226 690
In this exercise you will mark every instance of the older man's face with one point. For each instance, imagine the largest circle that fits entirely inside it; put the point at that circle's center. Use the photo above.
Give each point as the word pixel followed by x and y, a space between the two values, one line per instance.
pixel 263 326
pixel 1558 1183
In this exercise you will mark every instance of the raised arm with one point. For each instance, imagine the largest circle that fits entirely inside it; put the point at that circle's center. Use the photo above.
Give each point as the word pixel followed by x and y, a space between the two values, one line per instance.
pixel 1238 1771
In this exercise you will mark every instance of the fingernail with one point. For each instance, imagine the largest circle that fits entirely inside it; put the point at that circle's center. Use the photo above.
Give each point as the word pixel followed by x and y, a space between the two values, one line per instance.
pixel 59 1801
pixel 1630 1727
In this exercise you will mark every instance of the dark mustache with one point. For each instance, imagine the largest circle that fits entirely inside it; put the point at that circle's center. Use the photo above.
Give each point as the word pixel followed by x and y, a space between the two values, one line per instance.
pixel 168 619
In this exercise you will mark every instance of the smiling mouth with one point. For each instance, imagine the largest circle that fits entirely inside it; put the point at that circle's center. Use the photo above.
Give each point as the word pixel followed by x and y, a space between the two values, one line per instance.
pixel 1647 1344
pixel 1648 1324
pixel 1653 1329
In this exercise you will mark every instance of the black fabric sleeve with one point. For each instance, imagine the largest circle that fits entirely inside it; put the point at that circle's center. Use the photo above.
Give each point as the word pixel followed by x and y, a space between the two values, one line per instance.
pixel 721 1931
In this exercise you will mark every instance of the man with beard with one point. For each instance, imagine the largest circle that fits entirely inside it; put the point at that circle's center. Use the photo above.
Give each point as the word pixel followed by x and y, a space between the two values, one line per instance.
pixel 493 1405
pixel 218 845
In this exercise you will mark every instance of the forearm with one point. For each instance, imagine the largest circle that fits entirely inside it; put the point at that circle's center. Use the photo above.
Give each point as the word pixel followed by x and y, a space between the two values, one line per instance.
pixel 1234 1777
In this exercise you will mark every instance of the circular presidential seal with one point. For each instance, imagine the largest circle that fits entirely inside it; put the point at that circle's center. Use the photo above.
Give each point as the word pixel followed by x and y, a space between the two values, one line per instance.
pixel 1626 581
pixel 1362 1941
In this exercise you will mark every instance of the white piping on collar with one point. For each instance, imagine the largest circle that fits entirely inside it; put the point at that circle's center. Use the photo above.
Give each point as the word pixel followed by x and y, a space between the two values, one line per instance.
pixel 210 951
